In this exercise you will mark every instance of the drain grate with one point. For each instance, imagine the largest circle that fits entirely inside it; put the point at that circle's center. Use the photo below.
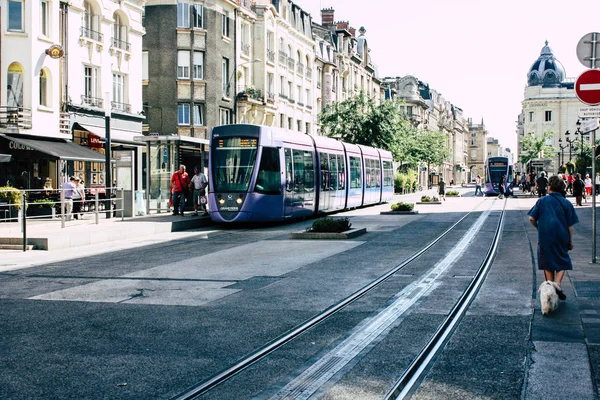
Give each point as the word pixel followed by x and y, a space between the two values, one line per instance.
pixel 589 289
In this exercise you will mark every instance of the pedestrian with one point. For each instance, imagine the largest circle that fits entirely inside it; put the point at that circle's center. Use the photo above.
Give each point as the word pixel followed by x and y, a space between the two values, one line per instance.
pixel 180 183
pixel 78 197
pixel 570 180
pixel 67 189
pixel 597 184
pixel 578 188
pixel 554 216
pixel 588 186
pixel 199 184
pixel 532 179
pixel 502 187
pixel 478 186
pixel 442 189
pixel 542 184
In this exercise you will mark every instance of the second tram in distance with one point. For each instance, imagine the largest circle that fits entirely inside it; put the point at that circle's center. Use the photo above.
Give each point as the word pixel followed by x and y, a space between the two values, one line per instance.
pixel 263 173
pixel 495 167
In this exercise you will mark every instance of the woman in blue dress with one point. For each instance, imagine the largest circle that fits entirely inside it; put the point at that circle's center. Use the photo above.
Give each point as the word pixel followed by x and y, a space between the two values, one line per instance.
pixel 554 217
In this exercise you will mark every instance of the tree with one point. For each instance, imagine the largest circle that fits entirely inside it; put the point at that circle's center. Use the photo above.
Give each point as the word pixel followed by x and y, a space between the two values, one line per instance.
pixel 534 147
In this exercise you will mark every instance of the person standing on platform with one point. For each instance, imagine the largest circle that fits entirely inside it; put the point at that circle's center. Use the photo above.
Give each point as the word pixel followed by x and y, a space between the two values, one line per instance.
pixel 502 187
pixel 180 182
pixel 554 216
pixel 542 184
pixel 478 186
pixel 199 184
pixel 78 197
pixel 68 188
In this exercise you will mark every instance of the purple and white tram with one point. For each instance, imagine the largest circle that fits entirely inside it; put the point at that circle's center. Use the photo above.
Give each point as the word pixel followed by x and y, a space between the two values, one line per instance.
pixel 263 173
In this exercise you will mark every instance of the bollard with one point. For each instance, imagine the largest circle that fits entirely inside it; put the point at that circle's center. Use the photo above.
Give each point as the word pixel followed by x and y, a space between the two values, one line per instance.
pixel 96 207
pixel 24 219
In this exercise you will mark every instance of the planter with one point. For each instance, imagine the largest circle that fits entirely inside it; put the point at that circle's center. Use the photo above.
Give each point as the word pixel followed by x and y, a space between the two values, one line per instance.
pixel 40 212
pixel 429 202
pixel 399 212
pixel 349 234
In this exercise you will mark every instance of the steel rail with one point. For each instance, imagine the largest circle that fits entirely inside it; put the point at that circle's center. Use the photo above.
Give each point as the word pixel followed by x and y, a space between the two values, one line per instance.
pixel 253 357
pixel 407 383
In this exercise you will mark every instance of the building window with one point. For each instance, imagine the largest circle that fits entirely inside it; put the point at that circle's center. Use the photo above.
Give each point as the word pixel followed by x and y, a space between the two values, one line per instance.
pixel 119 92
pixel 15 15
pixel 225 76
pixel 225 25
pixel 270 86
pixel 409 110
pixel 198 15
pixel 44 21
pixel 281 120
pixel 290 92
pixel 120 34
pixel 198 65
pixel 299 94
pixel 281 86
pixel 183 15
pixel 308 98
pixel 308 128
pixel 299 123
pixel 183 65
pixel 43 88
pixel 224 116
pixel 198 115
pixel 90 24
pixel 290 123
pixel 183 114
pixel 144 65
pixel 90 86
pixel 319 77
pixel 14 85
pixel 531 116
pixel 548 116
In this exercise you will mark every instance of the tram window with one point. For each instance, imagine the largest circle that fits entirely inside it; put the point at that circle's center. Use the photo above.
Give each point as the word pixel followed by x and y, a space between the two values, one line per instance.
pixel 289 184
pixel 333 171
pixel 268 180
pixel 324 171
pixel 377 173
pixel 309 172
pixel 355 173
pixel 368 174
pixel 341 172
pixel 298 171
pixel 388 174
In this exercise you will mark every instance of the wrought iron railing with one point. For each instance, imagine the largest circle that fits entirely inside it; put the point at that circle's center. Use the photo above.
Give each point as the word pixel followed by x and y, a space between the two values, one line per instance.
pixel 271 56
pixel 121 44
pixel 15 117
pixel 91 34
pixel 300 69
pixel 92 101
pixel 291 63
pixel 309 73
pixel 124 107
pixel 282 58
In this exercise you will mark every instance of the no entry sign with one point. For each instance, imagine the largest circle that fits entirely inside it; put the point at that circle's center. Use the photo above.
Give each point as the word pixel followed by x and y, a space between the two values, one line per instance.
pixel 587 87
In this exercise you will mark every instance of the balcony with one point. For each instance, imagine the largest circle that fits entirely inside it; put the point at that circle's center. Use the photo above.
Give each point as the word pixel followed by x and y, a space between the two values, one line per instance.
pixel 122 107
pixel 120 44
pixel 92 101
pixel 282 58
pixel 15 117
pixel 300 69
pixel 290 64
pixel 250 93
pixel 309 73
pixel 90 34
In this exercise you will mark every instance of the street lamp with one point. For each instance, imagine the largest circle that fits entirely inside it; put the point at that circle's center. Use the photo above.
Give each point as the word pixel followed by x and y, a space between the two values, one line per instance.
pixel 562 151
pixel 578 132
pixel 107 144
pixel 570 141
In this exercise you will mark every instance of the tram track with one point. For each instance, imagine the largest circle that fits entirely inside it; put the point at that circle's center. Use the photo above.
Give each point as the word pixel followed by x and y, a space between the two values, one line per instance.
pixel 277 343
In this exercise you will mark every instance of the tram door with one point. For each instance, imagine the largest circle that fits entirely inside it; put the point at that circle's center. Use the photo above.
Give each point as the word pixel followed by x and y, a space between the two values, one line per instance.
pixel 288 195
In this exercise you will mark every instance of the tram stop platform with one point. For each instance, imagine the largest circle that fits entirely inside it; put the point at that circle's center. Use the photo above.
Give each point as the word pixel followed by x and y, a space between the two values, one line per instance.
pixel 43 234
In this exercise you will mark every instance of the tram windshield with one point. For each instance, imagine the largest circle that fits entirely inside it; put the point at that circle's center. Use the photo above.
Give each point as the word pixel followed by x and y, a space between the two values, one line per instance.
pixel 497 168
pixel 233 160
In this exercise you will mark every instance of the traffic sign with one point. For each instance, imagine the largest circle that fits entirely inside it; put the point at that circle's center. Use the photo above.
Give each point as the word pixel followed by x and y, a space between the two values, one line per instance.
pixel 588 125
pixel 589 112
pixel 587 87
pixel 588 50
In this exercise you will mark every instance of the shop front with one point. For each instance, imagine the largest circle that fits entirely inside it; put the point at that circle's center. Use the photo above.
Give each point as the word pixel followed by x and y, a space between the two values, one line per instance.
pixel 44 163
pixel 164 155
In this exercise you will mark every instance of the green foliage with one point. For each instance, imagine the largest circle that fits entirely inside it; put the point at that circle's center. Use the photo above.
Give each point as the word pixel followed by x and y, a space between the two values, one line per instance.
pixel 452 193
pixel 425 199
pixel 403 206
pixel 405 182
pixel 41 203
pixel 434 199
pixel 12 195
pixel 534 147
pixel 328 224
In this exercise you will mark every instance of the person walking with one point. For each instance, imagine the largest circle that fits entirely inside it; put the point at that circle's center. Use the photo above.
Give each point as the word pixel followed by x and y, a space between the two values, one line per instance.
pixel 542 184
pixel 442 189
pixel 180 183
pixel 554 216
pixel 68 188
pixel 578 189
pixel 570 180
pixel 78 197
pixel 588 186
pixel 478 186
pixel 199 184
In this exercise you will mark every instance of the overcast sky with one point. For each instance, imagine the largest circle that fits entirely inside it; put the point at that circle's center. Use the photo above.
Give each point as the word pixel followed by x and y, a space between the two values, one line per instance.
pixel 476 53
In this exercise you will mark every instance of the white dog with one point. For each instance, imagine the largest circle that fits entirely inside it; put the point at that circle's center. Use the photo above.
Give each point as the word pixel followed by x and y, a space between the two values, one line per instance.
pixel 548 296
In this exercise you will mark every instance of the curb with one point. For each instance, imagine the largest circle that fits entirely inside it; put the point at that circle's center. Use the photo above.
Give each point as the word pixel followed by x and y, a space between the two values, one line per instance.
pixel 398 212
pixel 349 234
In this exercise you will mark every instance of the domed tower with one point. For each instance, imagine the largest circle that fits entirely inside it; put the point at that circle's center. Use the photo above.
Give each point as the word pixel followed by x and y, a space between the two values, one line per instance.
pixel 546 71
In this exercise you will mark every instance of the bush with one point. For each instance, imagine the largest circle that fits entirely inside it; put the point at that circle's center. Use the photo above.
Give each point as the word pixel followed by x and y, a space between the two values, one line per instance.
pixel 41 203
pixel 434 198
pixel 403 206
pixel 425 199
pixel 452 193
pixel 405 182
pixel 12 195
pixel 328 224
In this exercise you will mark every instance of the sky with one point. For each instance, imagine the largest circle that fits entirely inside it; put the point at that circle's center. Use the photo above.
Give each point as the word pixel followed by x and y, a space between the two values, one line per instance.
pixel 476 53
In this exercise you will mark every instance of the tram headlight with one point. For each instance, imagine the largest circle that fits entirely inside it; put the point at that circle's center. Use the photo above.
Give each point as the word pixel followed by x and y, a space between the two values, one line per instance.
pixel 238 200
pixel 221 201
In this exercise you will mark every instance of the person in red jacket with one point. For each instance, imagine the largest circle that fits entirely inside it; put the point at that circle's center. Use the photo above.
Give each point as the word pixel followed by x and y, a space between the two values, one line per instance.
pixel 180 182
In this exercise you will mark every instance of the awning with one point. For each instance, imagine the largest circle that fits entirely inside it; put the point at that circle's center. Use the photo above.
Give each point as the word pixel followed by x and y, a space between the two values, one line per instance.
pixel 5 158
pixel 170 138
pixel 61 150
pixel 116 135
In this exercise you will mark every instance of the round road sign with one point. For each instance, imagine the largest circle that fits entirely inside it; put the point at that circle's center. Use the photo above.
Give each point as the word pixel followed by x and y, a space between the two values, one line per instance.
pixel 587 87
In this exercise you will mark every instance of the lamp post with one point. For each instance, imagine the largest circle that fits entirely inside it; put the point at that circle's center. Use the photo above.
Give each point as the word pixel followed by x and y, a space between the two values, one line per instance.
pixel 578 132
pixel 562 151
pixel 570 141
pixel 107 169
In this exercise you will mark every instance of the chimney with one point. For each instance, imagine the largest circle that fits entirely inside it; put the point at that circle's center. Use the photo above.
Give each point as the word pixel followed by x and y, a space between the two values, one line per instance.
pixel 352 31
pixel 327 16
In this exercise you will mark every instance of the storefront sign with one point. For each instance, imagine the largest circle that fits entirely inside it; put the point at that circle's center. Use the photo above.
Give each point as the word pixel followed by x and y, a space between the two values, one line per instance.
pixel 94 141
pixel 18 146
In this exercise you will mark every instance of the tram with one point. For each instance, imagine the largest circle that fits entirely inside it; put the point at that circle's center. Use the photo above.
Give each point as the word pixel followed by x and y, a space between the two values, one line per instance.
pixel 495 167
pixel 263 173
